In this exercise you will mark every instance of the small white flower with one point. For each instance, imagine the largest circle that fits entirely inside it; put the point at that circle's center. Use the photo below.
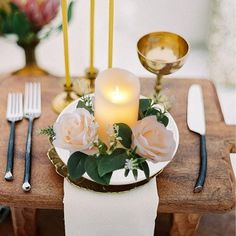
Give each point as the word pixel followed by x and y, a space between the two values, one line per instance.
pixel 131 164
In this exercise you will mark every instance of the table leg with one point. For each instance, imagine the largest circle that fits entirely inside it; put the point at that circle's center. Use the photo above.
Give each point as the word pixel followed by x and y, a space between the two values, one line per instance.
pixel 23 221
pixel 184 224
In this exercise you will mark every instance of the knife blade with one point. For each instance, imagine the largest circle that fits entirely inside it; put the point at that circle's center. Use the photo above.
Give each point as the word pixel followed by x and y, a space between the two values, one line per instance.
pixel 196 123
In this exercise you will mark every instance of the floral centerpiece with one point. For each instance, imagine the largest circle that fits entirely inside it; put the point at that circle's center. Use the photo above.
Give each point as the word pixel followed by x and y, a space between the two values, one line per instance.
pixel 127 148
pixel 26 20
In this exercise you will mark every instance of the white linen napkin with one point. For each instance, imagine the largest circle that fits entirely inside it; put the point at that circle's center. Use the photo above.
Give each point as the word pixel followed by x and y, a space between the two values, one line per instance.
pixel 131 213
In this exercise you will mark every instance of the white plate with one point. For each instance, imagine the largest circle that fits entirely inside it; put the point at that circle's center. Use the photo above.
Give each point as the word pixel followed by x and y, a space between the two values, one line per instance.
pixel 118 177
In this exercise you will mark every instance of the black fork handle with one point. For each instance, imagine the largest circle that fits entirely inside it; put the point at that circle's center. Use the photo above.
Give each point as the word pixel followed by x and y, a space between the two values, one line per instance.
pixel 203 165
pixel 26 183
pixel 10 153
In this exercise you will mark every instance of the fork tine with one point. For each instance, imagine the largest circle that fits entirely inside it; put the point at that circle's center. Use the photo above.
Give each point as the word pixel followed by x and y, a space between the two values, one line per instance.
pixel 14 104
pixel 26 97
pixel 31 97
pixel 35 95
pixel 26 105
pixel 9 104
pixel 17 104
pixel 39 97
pixel 21 104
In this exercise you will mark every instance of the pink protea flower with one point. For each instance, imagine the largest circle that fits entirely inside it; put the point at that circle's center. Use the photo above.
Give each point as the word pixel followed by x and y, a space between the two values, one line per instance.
pixel 39 12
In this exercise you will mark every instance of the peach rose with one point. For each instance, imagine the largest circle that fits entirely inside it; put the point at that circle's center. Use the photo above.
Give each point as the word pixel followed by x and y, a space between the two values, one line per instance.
pixel 153 140
pixel 76 131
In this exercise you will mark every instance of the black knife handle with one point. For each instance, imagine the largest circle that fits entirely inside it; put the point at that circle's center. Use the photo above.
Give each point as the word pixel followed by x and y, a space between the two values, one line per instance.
pixel 10 153
pixel 203 165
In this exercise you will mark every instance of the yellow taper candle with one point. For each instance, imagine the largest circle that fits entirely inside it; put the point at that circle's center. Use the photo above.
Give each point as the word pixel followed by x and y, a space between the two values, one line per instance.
pixel 65 37
pixel 92 9
pixel 116 99
pixel 110 33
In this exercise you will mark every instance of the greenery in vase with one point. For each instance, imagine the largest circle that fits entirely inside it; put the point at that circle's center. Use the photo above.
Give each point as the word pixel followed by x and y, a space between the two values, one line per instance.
pixel 26 19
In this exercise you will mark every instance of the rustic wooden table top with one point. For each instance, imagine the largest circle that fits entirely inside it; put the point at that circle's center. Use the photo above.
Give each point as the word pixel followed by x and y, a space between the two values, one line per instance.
pixel 175 183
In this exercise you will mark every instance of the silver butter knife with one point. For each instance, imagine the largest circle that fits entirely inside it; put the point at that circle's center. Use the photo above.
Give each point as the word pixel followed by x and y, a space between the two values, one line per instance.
pixel 196 123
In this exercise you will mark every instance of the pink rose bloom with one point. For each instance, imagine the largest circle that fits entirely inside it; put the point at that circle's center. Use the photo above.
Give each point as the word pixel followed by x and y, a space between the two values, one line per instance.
pixel 153 140
pixel 76 131
pixel 39 12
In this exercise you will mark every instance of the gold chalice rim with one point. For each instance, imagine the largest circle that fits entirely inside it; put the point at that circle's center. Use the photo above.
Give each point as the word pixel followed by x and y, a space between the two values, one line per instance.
pixel 164 32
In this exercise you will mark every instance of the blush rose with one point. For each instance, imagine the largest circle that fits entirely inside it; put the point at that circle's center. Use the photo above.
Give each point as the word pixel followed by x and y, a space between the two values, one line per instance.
pixel 76 131
pixel 153 140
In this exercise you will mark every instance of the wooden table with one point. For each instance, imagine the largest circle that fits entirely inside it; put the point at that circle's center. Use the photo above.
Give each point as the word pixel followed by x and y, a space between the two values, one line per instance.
pixel 175 183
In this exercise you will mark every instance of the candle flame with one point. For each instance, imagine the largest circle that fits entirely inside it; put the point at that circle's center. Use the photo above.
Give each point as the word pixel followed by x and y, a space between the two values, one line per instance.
pixel 117 95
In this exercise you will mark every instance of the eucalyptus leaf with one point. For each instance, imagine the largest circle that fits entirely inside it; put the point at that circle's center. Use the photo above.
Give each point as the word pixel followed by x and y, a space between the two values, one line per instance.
pixel 153 112
pixel 91 167
pixel 86 103
pixel 109 163
pixel 144 104
pixel 160 115
pixel 127 172
pixel 145 168
pixel 76 164
pixel 81 104
pixel 135 173
pixel 164 120
pixel 125 133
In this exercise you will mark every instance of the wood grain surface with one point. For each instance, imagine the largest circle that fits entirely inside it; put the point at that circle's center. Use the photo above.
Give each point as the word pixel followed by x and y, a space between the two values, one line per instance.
pixel 175 183
pixel 23 221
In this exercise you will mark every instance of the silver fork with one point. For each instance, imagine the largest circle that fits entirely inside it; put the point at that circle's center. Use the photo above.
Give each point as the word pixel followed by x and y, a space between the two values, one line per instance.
pixel 32 110
pixel 14 114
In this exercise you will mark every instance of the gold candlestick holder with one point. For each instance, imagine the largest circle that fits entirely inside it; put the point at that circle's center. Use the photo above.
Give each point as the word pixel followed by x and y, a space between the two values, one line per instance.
pixel 162 53
pixel 85 84
pixel 63 99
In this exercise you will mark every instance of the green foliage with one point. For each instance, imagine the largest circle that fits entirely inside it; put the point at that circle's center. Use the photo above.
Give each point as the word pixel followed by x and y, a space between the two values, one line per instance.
pixel 47 131
pixel 114 161
pixel 135 173
pixel 144 167
pixel 147 108
pixel 86 103
pixel 144 105
pixel 16 22
pixel 100 168
pixel 160 115
pixel 125 133
pixel 76 165
pixel 91 167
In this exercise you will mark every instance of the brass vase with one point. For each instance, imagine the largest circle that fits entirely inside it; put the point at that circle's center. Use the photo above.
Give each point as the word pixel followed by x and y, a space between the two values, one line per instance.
pixel 31 67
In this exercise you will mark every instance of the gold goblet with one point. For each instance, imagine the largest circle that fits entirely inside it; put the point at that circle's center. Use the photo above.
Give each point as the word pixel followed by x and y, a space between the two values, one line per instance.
pixel 162 53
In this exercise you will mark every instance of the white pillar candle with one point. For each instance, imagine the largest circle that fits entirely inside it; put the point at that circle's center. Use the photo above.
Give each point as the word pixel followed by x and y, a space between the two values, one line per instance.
pixel 117 94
